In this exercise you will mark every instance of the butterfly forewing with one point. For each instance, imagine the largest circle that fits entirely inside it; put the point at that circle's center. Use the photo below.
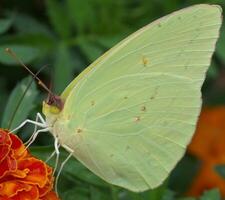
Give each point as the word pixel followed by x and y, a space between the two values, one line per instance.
pixel 130 117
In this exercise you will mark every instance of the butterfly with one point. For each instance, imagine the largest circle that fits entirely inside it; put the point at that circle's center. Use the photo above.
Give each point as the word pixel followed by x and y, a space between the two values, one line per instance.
pixel 130 115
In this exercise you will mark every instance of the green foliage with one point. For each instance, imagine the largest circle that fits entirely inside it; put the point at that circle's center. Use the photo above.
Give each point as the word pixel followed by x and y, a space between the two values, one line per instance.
pixel 181 178
pixel 211 195
pixel 20 104
pixel 22 51
pixel 5 25
pixel 68 35
pixel 220 169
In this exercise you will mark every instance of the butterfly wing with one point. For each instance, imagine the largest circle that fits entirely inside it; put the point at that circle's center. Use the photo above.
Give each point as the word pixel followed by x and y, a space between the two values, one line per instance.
pixel 131 114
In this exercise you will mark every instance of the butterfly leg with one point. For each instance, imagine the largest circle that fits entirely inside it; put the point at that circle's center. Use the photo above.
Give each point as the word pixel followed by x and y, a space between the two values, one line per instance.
pixel 52 154
pixel 60 170
pixel 36 134
pixel 56 145
pixel 38 117
pixel 34 137
pixel 42 124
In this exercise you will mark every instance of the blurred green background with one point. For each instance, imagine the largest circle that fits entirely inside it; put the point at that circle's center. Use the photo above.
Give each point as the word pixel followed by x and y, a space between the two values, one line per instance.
pixel 66 36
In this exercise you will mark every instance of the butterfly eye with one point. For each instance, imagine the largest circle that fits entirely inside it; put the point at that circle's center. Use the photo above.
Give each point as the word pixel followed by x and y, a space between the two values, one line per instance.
pixel 54 100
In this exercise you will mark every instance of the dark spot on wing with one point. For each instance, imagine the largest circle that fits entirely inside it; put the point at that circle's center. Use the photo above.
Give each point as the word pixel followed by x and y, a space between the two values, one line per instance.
pixel 145 61
pixel 137 119
pixel 143 108
pixel 127 147
pixel 155 93
pixel 79 130
pixel 152 97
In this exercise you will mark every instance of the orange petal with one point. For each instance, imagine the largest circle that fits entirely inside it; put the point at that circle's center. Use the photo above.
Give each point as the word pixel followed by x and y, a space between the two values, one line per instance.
pixel 18 147
pixel 11 188
pixel 38 171
pixel 49 169
pixel 206 179
pixel 208 142
pixel 50 196
pixel 5 144
pixel 4 137
pixel 7 165
pixel 20 173
pixel 46 189
pixel 4 151
pixel 48 186
pixel 32 194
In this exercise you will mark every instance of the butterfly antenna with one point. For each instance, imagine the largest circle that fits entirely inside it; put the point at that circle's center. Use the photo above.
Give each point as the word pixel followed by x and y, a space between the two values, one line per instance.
pixel 19 61
pixel 50 88
pixel 22 97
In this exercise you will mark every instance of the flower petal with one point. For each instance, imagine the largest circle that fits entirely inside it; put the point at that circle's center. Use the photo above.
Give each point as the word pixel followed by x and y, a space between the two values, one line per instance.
pixel 22 176
pixel 7 165
pixel 11 188
pixel 20 173
pixel 50 196
pixel 4 137
pixel 208 142
pixel 47 188
pixel 18 147
pixel 4 151
pixel 38 171
pixel 32 194
pixel 206 179
pixel 5 144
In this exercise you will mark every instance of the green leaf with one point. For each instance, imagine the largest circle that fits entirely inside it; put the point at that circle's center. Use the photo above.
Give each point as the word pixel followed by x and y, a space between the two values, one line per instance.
pixel 211 195
pixel 3 97
pixel 28 24
pixel 187 198
pixel 75 193
pixel 182 176
pixel 5 24
pixel 212 72
pixel 58 17
pixel 25 53
pixel 20 103
pixel 81 13
pixel 64 68
pixel 168 195
pixel 221 43
pixel 109 41
pixel 220 169
pixel 156 194
pixel 90 49
pixel 97 194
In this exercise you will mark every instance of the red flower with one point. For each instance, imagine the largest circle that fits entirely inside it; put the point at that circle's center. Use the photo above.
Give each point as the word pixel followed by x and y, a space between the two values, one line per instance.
pixel 22 176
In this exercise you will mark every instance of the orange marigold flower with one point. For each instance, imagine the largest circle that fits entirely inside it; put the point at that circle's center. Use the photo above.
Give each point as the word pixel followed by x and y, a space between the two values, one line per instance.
pixel 22 176
pixel 208 145
pixel 207 179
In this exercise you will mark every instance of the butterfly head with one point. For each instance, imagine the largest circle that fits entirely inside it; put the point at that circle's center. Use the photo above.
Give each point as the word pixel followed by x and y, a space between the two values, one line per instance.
pixel 51 108
pixel 54 104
